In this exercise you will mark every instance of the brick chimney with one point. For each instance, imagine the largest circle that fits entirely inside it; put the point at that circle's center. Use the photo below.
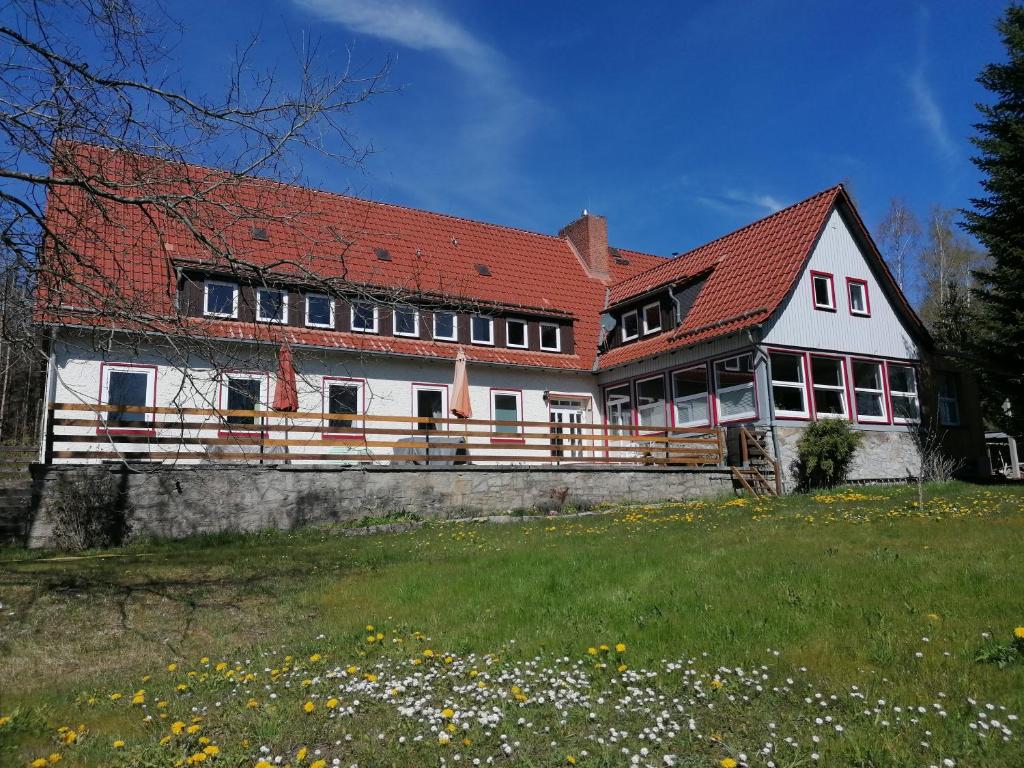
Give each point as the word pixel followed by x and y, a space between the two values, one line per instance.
pixel 589 236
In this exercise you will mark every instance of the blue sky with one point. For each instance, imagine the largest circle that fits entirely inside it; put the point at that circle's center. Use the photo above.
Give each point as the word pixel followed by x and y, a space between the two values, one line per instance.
pixel 678 121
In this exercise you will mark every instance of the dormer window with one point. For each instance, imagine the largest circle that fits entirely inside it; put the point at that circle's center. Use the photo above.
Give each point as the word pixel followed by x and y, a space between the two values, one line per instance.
pixel 630 326
pixel 407 321
pixel 652 318
pixel 824 291
pixel 550 337
pixel 319 311
pixel 220 299
pixel 271 305
pixel 444 326
pixel 515 333
pixel 481 329
pixel 364 317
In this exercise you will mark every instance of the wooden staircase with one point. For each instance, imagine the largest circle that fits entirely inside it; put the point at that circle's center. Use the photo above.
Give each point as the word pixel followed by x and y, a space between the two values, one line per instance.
pixel 760 474
pixel 15 491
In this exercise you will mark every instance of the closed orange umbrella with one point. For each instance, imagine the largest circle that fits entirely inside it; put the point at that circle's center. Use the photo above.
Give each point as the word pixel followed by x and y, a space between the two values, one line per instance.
pixel 460 404
pixel 286 396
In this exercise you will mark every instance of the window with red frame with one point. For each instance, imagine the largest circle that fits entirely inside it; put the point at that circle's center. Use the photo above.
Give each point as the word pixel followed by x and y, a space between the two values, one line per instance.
pixel 857 291
pixel 824 291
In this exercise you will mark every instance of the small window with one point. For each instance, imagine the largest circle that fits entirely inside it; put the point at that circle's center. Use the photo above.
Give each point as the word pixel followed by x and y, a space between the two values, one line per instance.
pixel 690 397
pixel 652 318
pixel 271 305
pixel 789 387
pixel 515 333
pixel 343 397
pixel 735 390
pixel 407 321
pixel 364 317
pixel 618 406
pixel 829 384
pixel 242 393
pixel 857 291
pixel 444 326
pixel 630 325
pixel 824 291
pixel 319 311
pixel 128 386
pixel 481 329
pixel 903 394
pixel 949 401
pixel 506 406
pixel 869 391
pixel 220 299
pixel 650 402
pixel 430 403
pixel 550 337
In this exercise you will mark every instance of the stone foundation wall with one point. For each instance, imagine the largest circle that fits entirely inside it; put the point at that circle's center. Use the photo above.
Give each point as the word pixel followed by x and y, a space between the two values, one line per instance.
pixel 882 455
pixel 206 499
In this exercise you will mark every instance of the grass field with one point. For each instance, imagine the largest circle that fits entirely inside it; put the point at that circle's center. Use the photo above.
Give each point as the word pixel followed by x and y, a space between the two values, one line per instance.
pixel 839 629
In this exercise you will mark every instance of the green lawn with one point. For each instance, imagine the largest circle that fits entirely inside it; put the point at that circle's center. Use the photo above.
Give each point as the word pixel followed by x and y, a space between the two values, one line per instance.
pixel 842 629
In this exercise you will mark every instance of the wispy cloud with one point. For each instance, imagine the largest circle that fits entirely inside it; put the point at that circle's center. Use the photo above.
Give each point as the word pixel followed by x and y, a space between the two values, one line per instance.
pixel 478 163
pixel 735 202
pixel 926 106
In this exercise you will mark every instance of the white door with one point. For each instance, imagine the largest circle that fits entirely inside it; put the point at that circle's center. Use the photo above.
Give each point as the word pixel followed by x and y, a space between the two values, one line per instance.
pixel 565 415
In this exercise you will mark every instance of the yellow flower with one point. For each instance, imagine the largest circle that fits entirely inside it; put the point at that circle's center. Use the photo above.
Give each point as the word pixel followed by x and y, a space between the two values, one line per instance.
pixel 39 762
pixel 221 666
pixel 194 729
pixel 198 757
pixel 315 658
pixel 371 677
pixel 212 750
pixel 332 703
pixel 352 670
pixel 204 740
pixel 54 758
pixel 308 707
pixel 165 740
pixel 263 764
pixel 301 754
pixel 570 760
pixel 161 704
pixel 4 720
pixel 448 713
pixel 1019 633
pixel 716 684
pixel 428 653
pixel 172 667
pixel 115 696
pixel 318 764
pixel 118 744
pixel 181 688
pixel 70 737
pixel 204 660
pixel 592 651
pixel 371 639
pixel 620 647
pixel 604 647
pixel 727 762
pixel 177 727
pixel 138 699
pixel 623 667
pixel 380 635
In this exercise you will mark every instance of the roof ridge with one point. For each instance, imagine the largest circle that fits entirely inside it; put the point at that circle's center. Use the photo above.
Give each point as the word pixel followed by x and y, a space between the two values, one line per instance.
pixel 833 189
pixel 332 193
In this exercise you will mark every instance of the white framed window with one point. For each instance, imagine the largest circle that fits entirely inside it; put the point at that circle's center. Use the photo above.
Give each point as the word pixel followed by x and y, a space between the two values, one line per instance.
pixel 506 405
pixel 857 296
pixel 242 392
pixel 429 402
pixel 344 397
pixel 407 321
pixel 630 325
pixel 735 388
pixel 690 397
pixel 869 391
pixel 652 318
pixel 364 317
pixel 445 328
pixel 949 400
pixel 618 406
pixel 515 333
pixel 650 402
pixel 220 299
pixel 319 311
pixel 828 379
pixel 906 407
pixel 481 329
pixel 823 291
pixel 789 385
pixel 129 385
pixel 550 337
pixel 271 305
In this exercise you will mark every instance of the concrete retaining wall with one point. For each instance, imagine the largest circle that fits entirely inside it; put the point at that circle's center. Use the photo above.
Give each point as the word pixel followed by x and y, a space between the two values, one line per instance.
pixel 206 499
pixel 881 456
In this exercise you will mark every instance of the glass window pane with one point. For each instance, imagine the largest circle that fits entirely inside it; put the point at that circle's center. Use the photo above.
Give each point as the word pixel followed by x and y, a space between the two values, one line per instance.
pixel 829 401
pixel 692 411
pixel 690 382
pixel 867 375
pixel 220 299
pixel 618 405
pixel 342 398
pixel 904 407
pixel 516 333
pixel 405 320
pixel 827 371
pixel 858 302
pixel 822 292
pixel 271 304
pixel 444 325
pixel 243 395
pixel 787 368
pixel 481 328
pixel 127 388
pixel 652 317
pixel 318 310
pixel 429 403
pixel 506 408
pixel 788 399
pixel 736 402
pixel 630 325
pixel 870 404
pixel 363 317
pixel 902 379
pixel 549 336
pixel 650 401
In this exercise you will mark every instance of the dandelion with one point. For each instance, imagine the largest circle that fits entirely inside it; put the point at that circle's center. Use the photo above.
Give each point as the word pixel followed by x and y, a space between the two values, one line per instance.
pixel 301 754
pixel 448 713
pixel 115 696
pixel 39 762
pixel 54 758
pixel 727 762
pixel 315 658
pixel 332 703
pixel 263 764
pixel 318 764
pixel 252 704
pixel 308 707
pixel 4 720
pixel 1019 633
pixel 193 729
pixel 177 727
pixel 428 653
pixel 592 651
pixel 570 760
pixel 172 667
pixel 620 647
pixel 118 744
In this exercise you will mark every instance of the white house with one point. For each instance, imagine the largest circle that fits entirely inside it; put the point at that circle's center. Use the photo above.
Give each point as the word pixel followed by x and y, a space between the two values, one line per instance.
pixel 790 319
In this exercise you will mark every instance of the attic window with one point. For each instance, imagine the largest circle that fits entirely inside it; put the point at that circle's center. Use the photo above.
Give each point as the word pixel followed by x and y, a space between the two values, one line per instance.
pixel 383 254
pixel 483 270
pixel 259 233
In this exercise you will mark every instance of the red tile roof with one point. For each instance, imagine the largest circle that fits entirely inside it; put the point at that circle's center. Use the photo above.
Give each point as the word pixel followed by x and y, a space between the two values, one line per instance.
pixel 133 251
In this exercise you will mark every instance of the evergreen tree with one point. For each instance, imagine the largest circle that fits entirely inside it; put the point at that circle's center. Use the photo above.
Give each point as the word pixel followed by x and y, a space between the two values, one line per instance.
pixel 997 221
pixel 953 329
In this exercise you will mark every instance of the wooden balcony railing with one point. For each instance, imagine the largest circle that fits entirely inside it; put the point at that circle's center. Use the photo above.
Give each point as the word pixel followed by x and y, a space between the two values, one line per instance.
pixel 81 432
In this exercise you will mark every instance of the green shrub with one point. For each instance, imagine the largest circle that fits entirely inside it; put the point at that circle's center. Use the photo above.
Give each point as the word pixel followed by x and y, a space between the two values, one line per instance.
pixel 824 454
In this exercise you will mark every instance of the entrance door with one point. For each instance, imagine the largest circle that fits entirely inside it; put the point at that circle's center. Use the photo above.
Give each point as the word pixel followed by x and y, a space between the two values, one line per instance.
pixel 565 415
